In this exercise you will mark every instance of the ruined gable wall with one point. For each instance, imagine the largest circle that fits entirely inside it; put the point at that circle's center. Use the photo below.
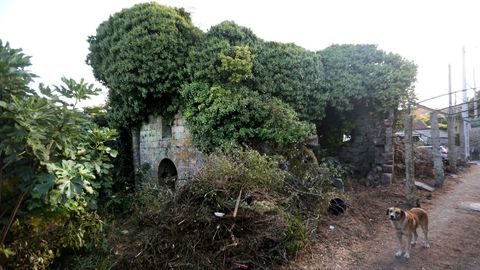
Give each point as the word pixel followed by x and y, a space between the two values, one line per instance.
pixel 158 140
pixel 370 151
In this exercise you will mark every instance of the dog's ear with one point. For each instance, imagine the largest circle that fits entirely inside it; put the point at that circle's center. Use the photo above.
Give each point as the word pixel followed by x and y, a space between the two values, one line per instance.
pixel 388 209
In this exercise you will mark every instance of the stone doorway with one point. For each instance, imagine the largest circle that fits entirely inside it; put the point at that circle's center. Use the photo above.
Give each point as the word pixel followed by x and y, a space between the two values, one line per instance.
pixel 167 174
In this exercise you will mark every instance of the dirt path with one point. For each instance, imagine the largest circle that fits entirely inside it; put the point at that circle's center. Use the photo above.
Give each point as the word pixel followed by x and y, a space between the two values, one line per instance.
pixel 363 237
pixel 454 234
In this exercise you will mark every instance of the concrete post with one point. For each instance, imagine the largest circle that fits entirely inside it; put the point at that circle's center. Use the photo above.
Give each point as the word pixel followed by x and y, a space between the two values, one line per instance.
pixel 389 132
pixel 409 160
pixel 452 149
pixel 437 158
pixel 462 154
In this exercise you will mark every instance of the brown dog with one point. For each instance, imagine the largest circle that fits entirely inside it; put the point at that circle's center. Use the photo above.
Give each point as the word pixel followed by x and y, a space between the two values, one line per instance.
pixel 406 223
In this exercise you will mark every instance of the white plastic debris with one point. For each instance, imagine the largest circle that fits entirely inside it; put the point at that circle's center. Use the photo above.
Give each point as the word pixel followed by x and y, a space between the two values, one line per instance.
pixel 331 227
pixel 219 214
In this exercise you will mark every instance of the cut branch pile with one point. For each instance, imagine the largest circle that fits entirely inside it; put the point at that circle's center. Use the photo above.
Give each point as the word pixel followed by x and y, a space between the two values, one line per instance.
pixel 423 160
pixel 193 234
pixel 241 212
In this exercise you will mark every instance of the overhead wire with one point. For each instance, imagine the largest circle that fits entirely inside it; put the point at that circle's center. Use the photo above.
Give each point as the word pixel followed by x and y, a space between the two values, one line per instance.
pixel 442 95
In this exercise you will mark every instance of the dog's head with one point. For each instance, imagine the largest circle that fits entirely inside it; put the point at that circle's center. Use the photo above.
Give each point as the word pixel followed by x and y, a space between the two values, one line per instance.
pixel 395 213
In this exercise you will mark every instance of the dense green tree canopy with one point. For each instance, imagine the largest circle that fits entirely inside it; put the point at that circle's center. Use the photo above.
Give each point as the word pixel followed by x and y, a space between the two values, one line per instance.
pixel 233 33
pixel 154 60
pixel 140 55
pixel 286 71
pixel 294 75
pixel 361 80
pixel 363 73
pixel 216 49
pixel 229 99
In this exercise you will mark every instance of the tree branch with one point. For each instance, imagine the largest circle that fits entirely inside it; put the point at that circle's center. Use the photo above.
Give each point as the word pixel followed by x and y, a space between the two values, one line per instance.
pixel 12 217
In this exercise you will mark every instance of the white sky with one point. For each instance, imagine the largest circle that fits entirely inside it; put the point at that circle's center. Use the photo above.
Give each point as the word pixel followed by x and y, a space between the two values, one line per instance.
pixel 431 33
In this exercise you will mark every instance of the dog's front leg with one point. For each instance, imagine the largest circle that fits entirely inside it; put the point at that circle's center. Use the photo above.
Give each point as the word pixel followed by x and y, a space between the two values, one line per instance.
pixel 409 246
pixel 400 245
pixel 415 237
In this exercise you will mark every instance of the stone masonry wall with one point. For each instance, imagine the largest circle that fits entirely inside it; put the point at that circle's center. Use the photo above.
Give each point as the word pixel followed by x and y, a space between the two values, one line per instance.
pixel 159 140
pixel 370 150
pixel 360 152
pixel 475 143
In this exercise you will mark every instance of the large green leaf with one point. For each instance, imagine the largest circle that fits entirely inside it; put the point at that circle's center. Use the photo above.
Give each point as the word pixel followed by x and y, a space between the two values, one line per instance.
pixel 46 184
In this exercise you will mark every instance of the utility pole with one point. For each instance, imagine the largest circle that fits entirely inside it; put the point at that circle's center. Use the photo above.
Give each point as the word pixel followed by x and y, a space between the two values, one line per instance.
pixel 465 122
pixel 452 149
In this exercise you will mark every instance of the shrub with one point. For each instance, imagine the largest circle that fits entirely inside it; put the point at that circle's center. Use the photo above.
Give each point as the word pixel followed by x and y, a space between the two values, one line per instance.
pixel 55 163
pixel 39 239
pixel 309 185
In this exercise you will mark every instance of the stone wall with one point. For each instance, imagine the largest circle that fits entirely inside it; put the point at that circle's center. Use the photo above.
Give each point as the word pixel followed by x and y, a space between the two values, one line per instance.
pixel 370 150
pixel 475 143
pixel 158 140
pixel 360 150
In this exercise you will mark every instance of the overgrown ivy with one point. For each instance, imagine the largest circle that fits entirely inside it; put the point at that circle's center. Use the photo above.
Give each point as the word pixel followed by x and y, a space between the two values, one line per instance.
pixel 294 75
pixel 153 60
pixel 218 116
pixel 364 73
pixel 140 55
pixel 361 81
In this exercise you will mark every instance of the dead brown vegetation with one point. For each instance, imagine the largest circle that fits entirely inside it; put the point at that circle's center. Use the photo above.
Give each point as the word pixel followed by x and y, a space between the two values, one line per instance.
pixel 242 211
pixel 423 160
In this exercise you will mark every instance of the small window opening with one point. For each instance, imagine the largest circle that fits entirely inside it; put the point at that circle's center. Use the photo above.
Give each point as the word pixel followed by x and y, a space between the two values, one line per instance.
pixel 166 129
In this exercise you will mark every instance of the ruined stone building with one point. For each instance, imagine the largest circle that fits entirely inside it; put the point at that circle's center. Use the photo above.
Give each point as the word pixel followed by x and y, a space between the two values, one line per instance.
pixel 475 143
pixel 167 147
pixel 370 149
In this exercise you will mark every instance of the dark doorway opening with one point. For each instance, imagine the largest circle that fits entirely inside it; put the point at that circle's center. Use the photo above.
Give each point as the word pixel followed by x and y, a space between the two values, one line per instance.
pixel 167 174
